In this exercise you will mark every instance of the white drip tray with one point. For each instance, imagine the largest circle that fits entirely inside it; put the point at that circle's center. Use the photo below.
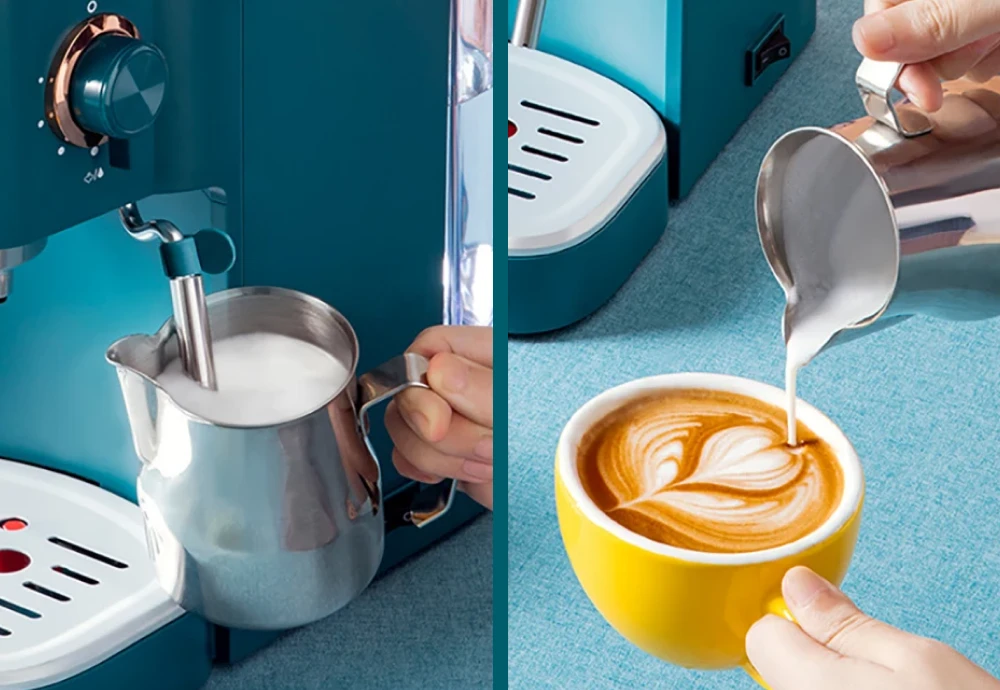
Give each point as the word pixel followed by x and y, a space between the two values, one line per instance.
pixel 578 147
pixel 89 590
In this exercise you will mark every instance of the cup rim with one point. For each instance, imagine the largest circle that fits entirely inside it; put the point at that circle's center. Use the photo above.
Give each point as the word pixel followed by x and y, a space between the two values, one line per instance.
pixel 604 403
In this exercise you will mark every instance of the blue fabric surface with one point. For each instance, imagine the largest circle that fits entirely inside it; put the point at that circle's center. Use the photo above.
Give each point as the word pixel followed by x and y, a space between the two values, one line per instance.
pixel 919 401
pixel 426 624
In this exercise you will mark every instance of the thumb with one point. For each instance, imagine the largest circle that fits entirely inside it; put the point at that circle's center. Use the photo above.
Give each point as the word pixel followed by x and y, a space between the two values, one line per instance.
pixel 830 618
pixel 921 30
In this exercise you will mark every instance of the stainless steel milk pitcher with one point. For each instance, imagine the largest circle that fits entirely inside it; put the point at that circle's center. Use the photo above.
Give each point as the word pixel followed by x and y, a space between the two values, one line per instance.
pixel 264 527
pixel 922 191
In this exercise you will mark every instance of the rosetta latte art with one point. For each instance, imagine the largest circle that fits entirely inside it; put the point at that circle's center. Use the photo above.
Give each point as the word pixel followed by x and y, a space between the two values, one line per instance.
pixel 708 471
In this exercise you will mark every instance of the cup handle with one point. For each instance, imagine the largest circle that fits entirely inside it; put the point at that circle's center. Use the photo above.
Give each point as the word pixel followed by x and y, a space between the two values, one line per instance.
pixel 875 81
pixel 777 607
pixel 380 384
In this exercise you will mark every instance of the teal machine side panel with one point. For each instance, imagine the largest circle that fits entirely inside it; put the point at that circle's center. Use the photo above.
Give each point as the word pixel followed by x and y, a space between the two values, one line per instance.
pixel 380 198
pixel 686 58
pixel 715 99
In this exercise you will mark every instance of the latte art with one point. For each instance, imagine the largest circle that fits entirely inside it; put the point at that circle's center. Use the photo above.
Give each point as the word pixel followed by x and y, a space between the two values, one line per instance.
pixel 708 471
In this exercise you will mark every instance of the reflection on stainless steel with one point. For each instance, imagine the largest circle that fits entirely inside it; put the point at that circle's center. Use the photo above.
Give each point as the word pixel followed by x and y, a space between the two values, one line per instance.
pixel 472 52
pixel 267 527
pixel 527 23
pixel 385 381
pixel 477 286
pixel 941 190
pixel 141 230
pixel 468 291
pixel 188 296
pixel 876 81
pixel 12 258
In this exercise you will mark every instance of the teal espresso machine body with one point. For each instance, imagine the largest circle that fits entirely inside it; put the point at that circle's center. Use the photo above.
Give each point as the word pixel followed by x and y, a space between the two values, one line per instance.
pixel 701 67
pixel 312 133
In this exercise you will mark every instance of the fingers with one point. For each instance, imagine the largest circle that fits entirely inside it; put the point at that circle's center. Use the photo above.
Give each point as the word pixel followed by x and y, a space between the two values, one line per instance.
pixel 426 412
pixel 788 659
pixel 921 85
pixel 474 343
pixel 959 62
pixel 417 459
pixel 459 436
pixel 411 471
pixel 480 493
pixel 825 614
pixel 921 30
pixel 987 68
pixel 465 385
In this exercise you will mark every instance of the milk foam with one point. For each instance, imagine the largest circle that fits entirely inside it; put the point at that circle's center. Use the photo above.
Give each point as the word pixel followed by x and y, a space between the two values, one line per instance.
pixel 263 378
pixel 709 472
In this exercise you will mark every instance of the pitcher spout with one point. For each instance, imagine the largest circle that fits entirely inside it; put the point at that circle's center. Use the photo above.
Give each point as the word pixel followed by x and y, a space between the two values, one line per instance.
pixel 138 360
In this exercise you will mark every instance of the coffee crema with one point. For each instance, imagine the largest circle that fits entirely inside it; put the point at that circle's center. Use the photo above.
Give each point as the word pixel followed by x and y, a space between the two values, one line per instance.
pixel 708 471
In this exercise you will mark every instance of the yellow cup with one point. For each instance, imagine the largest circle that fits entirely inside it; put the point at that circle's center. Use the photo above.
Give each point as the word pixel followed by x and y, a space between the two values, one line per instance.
pixel 690 608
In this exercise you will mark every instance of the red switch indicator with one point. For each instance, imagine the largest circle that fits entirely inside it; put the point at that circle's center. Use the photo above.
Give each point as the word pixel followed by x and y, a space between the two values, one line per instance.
pixel 13 561
pixel 13 525
pixel 511 129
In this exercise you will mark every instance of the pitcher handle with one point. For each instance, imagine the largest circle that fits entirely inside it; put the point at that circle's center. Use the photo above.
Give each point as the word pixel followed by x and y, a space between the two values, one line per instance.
pixel 380 384
pixel 875 82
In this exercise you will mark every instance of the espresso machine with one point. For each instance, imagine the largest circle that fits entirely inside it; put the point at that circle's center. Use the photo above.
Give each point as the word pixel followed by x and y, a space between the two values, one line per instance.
pixel 702 66
pixel 616 109
pixel 313 135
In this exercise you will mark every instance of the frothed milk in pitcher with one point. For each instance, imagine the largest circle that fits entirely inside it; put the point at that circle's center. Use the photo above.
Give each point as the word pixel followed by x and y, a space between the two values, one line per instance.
pixel 263 378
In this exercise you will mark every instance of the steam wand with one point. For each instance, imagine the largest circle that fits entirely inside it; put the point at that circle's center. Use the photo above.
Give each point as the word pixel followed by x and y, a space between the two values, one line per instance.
pixel 187 290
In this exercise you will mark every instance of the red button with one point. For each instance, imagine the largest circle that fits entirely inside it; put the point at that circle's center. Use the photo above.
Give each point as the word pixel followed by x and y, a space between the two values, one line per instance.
pixel 511 129
pixel 13 561
pixel 13 525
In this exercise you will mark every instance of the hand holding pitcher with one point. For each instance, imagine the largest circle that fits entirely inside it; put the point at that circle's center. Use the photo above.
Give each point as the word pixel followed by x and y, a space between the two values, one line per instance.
pixel 938 41
pixel 447 431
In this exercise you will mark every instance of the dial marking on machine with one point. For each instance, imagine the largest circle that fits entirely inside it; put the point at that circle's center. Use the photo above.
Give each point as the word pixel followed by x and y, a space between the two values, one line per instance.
pixel 92 6
pixel 95 175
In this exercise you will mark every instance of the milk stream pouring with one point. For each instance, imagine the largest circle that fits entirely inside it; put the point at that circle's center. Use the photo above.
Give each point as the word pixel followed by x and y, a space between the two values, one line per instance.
pixel 886 217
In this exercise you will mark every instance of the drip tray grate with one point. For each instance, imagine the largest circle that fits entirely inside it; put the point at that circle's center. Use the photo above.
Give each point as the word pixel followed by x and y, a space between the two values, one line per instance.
pixel 76 582
pixel 578 147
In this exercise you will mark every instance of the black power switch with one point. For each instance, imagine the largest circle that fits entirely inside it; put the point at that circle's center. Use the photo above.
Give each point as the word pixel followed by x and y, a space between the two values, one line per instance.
pixel 773 47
